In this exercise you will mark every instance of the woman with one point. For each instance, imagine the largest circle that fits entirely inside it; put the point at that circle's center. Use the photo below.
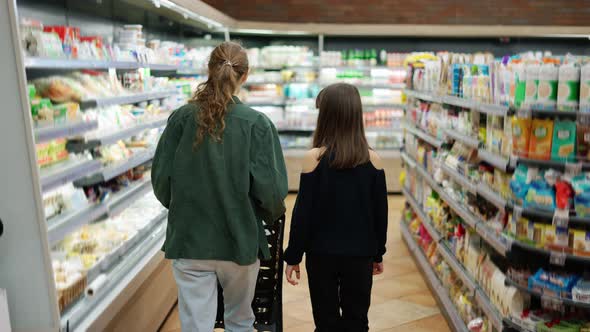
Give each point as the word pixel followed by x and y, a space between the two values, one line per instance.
pixel 340 216
pixel 219 169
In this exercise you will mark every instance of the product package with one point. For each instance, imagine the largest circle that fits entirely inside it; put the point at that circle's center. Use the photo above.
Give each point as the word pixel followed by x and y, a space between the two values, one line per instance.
pixel 568 94
pixel 564 141
pixel 541 137
pixel 521 134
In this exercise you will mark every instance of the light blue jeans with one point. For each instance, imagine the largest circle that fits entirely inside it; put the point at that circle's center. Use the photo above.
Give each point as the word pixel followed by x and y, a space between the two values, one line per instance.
pixel 197 294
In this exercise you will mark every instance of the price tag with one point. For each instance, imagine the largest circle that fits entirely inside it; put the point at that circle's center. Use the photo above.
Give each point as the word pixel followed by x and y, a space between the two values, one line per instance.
pixel 573 169
pixel 552 303
pixel 561 218
pixel 524 113
pixel 516 213
pixel 557 258
pixel 513 161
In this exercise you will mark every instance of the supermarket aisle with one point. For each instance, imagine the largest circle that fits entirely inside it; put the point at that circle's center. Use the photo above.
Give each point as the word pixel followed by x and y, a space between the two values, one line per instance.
pixel 401 300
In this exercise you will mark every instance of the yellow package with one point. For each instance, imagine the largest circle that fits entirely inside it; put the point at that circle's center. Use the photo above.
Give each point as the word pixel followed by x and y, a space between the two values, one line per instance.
pixel 539 235
pixel 580 242
pixel 541 138
pixel 521 134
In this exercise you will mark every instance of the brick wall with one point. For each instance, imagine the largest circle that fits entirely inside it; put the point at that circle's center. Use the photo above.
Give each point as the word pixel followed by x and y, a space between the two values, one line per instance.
pixel 480 12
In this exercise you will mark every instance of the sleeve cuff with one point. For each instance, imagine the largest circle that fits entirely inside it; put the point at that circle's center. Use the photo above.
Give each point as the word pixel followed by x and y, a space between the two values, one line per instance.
pixel 378 259
pixel 291 259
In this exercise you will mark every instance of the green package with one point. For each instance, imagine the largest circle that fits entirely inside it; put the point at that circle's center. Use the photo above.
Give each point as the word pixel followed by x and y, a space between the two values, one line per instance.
pixel 60 113
pixel 564 141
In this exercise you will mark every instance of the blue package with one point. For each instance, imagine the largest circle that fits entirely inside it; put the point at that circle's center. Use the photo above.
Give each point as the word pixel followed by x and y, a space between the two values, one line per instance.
pixel 540 195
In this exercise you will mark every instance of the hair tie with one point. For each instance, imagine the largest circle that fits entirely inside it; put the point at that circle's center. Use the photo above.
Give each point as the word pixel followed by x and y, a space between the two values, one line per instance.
pixel 228 63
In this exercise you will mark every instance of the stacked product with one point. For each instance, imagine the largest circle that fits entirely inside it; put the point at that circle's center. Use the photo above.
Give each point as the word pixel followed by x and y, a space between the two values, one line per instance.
pixel 512 165
pixel 359 57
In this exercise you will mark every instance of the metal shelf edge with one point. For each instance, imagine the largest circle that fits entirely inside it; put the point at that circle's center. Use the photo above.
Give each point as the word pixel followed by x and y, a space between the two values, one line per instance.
pixel 491 312
pixel 462 180
pixel 466 140
pixel 423 135
pixel 447 305
pixel 491 196
pixel 425 220
pixel 44 134
pixel 493 159
pixel 89 310
pixel 60 226
pixel 456 266
pixel 68 174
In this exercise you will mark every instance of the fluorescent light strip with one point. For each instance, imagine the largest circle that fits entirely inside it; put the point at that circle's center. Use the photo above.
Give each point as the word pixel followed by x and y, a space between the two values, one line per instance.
pixel 272 32
pixel 187 13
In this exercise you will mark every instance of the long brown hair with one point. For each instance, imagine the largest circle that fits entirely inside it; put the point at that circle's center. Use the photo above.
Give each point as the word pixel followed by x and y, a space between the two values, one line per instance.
pixel 340 130
pixel 228 64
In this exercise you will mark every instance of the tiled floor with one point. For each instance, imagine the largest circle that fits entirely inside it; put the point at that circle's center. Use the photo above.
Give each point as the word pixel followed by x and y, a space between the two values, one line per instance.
pixel 401 300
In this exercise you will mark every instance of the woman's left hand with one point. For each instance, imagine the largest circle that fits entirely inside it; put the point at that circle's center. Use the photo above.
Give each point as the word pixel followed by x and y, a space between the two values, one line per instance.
pixel 377 268
pixel 289 273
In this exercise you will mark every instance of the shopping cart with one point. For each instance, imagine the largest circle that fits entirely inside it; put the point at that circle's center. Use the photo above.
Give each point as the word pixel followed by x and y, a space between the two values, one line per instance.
pixel 268 297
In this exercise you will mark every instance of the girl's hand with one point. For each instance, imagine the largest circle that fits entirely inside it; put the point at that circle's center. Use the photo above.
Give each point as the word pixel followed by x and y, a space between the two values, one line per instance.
pixel 377 268
pixel 289 273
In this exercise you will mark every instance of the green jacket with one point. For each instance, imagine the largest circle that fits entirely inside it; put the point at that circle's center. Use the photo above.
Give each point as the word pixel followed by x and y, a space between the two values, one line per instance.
pixel 219 195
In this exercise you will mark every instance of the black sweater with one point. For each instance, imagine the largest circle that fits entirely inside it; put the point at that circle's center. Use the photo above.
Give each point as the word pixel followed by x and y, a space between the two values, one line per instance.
pixel 339 212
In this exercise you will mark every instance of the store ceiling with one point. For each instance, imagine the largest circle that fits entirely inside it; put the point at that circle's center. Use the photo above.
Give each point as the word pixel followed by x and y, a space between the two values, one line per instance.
pixel 444 12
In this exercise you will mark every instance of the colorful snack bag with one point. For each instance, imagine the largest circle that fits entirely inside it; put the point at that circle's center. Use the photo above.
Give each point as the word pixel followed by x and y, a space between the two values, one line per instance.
pixel 541 136
pixel 564 141
pixel 568 93
pixel 521 134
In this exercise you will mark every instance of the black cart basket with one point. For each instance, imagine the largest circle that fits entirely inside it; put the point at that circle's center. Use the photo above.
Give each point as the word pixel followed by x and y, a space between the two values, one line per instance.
pixel 268 297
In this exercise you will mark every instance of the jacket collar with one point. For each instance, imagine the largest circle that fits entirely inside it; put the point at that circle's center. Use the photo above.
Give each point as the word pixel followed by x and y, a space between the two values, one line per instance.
pixel 236 100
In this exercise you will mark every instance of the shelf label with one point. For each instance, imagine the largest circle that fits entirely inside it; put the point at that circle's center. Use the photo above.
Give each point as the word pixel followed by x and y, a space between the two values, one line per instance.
pixel 516 213
pixel 513 161
pixel 573 169
pixel 557 258
pixel 524 113
pixel 561 218
pixel 552 303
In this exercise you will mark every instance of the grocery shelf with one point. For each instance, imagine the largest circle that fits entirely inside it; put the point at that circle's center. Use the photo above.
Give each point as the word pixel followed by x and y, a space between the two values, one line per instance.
pixel 408 160
pixel 554 299
pixel 486 234
pixel 459 178
pixel 112 138
pixel 490 109
pixel 440 293
pixel 67 171
pixel 467 216
pixel 306 131
pixel 434 234
pixel 482 299
pixel 385 105
pixel 61 225
pixel 457 267
pixel 552 257
pixel 367 85
pixel 75 64
pixel 127 196
pixel 499 162
pixel 472 142
pixel 362 67
pixel 488 308
pixel 69 129
pixel 437 143
pixel 127 99
pixel 556 113
pixel 554 164
pixel 547 215
pixel 491 196
pixel 497 242
pixel 286 67
pixel 110 172
pixel 123 279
